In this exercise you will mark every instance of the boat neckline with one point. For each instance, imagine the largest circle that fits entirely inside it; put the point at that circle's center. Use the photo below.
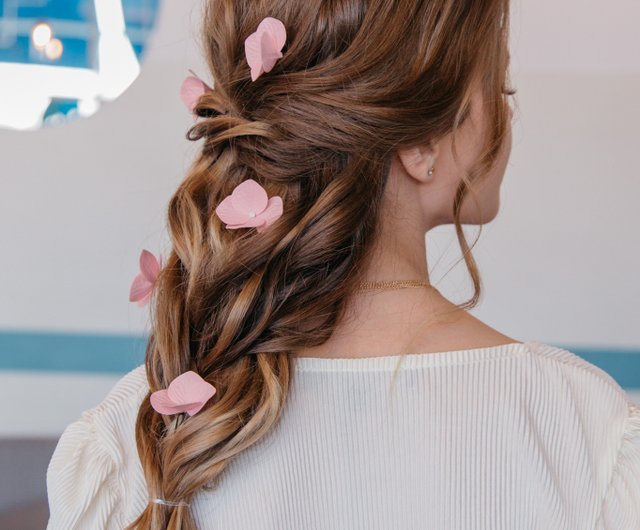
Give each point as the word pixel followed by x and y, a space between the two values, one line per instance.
pixel 413 360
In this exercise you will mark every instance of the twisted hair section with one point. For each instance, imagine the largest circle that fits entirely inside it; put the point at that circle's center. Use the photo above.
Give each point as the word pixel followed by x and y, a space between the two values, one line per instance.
pixel 357 80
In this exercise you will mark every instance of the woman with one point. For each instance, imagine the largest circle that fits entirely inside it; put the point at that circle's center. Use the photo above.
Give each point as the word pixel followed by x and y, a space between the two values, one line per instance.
pixel 338 389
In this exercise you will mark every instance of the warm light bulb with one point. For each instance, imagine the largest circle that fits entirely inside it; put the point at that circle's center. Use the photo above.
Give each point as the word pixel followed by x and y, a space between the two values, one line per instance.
pixel 41 34
pixel 53 49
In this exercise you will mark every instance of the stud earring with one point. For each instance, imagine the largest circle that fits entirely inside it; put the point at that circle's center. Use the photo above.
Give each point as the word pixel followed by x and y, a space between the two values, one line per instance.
pixel 430 172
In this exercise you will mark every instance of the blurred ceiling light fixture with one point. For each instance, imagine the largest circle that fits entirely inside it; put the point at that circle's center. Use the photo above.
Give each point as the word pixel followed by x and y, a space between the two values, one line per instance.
pixel 41 34
pixel 53 49
pixel 119 65
pixel 27 89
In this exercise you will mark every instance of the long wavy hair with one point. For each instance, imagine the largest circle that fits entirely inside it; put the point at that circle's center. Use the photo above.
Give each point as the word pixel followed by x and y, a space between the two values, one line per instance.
pixel 358 79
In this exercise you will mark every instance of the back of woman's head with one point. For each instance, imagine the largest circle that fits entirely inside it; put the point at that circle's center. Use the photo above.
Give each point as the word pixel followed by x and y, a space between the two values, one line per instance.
pixel 358 79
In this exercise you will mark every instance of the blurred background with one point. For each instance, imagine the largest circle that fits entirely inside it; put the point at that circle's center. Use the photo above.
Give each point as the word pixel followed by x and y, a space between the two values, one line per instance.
pixel 92 147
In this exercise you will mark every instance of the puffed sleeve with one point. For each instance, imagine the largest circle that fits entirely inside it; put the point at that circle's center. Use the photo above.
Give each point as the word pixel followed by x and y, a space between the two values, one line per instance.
pixel 620 508
pixel 82 475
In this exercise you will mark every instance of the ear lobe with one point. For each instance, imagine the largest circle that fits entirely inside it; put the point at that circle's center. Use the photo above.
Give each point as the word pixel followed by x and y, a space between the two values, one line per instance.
pixel 416 161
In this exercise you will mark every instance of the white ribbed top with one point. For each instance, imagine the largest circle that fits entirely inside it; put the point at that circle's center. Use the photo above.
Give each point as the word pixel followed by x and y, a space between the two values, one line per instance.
pixel 522 436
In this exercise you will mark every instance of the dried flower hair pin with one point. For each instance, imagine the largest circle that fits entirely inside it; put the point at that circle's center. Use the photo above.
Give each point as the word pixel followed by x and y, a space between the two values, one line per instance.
pixel 144 283
pixel 249 206
pixel 190 91
pixel 264 46
pixel 186 394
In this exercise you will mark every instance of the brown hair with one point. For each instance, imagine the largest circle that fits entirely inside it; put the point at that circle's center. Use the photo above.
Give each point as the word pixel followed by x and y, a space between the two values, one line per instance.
pixel 357 80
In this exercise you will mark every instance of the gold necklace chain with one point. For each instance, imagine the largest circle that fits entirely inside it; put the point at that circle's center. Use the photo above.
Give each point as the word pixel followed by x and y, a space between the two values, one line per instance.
pixel 393 284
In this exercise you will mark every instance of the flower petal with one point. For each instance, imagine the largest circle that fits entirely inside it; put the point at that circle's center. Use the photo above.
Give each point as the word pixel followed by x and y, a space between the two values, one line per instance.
pixel 252 50
pixel 257 71
pixel 145 299
pixel 264 46
pixel 149 266
pixel 190 389
pixel 250 223
pixel 163 404
pixel 276 29
pixel 190 91
pixel 140 288
pixel 272 212
pixel 249 196
pixel 228 214
pixel 268 51
pixel 194 408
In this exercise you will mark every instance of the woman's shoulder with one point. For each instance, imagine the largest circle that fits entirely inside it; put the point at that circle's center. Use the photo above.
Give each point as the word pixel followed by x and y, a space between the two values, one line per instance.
pixel 598 422
pixel 576 374
pixel 577 391
pixel 94 477
pixel 113 417
pixel 121 401
pixel 130 387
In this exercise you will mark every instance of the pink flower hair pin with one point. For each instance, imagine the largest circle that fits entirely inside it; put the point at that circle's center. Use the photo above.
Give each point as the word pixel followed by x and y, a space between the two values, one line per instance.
pixel 264 47
pixel 187 393
pixel 144 282
pixel 249 206
pixel 192 88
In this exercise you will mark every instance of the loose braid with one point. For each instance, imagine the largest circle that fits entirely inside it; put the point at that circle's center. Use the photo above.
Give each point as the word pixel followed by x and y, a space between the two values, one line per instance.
pixel 318 131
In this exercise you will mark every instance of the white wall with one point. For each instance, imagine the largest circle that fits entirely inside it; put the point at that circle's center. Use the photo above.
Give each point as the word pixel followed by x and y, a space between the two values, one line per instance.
pixel 79 202
pixel 560 263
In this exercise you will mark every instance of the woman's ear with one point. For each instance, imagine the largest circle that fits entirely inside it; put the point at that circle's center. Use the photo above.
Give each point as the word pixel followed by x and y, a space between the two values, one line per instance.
pixel 418 160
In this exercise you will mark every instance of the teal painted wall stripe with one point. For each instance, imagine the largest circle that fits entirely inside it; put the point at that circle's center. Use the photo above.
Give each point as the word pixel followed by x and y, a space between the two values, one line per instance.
pixel 70 352
pixel 117 354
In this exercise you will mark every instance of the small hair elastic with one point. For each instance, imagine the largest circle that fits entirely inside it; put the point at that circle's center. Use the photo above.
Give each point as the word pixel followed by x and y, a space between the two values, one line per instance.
pixel 169 503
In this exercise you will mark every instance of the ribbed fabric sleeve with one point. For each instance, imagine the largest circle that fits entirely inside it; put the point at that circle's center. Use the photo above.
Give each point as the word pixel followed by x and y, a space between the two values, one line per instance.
pixel 94 474
pixel 519 436
pixel 82 481
pixel 621 505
